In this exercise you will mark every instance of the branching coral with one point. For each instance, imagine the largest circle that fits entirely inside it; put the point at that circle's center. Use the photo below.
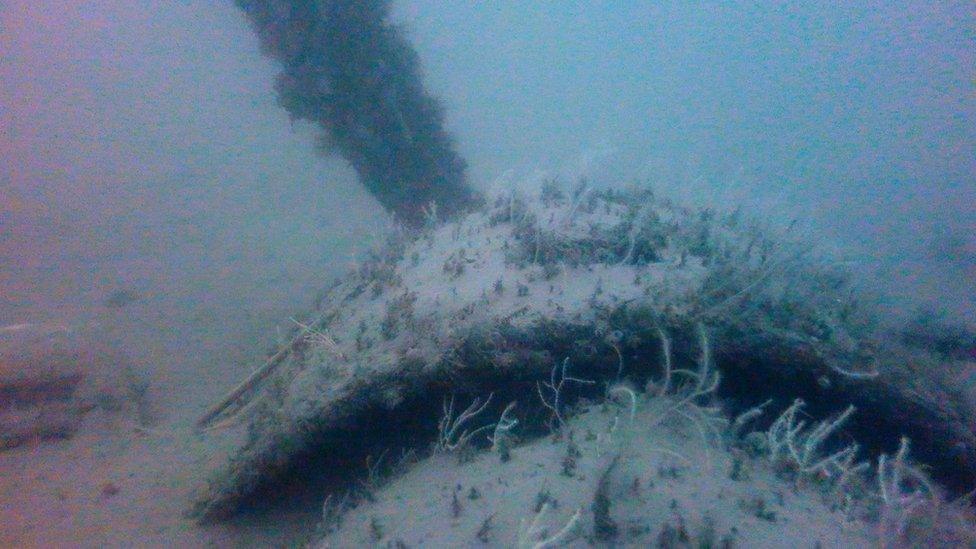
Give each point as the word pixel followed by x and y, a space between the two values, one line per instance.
pixel 531 534
pixel 501 439
pixel 903 489
pixel 452 434
pixel 558 378
pixel 791 442
pixel 687 399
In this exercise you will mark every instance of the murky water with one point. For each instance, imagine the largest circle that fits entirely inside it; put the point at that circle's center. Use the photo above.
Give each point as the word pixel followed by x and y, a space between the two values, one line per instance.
pixel 161 214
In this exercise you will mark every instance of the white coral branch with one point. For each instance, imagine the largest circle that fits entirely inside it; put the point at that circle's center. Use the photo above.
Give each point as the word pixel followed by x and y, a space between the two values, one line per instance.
pixel 902 488
pixel 452 435
pixel 531 534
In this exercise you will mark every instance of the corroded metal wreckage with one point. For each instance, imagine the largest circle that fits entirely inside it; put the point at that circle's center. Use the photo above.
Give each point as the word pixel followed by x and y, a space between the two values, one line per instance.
pixel 490 302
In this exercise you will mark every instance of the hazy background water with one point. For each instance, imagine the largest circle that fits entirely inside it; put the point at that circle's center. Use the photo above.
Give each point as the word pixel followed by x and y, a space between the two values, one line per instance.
pixel 141 147
pixel 859 117
pixel 142 150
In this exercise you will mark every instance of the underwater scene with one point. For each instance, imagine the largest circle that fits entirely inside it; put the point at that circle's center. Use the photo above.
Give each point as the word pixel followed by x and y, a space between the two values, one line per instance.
pixel 419 273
